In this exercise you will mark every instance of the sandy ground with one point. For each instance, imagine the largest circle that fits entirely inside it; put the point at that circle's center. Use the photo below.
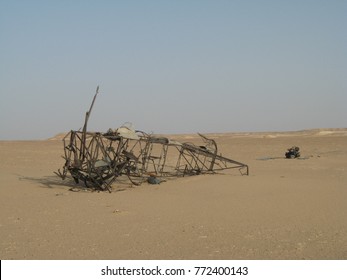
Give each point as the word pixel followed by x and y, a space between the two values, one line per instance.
pixel 285 209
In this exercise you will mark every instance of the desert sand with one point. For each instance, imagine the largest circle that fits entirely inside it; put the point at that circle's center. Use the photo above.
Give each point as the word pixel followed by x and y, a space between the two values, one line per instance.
pixel 285 209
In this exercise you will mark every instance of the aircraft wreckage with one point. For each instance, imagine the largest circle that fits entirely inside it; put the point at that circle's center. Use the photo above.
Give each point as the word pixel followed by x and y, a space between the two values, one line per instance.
pixel 99 159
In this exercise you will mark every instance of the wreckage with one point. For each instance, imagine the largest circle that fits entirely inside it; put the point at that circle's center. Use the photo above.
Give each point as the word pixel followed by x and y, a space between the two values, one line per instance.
pixel 99 159
pixel 293 152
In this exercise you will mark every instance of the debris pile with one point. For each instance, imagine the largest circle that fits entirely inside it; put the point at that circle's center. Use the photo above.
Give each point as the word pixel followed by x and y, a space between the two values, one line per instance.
pixel 99 159
pixel 293 152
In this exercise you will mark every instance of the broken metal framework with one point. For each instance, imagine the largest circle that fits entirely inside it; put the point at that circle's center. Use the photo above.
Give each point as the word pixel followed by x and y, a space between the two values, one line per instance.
pixel 99 159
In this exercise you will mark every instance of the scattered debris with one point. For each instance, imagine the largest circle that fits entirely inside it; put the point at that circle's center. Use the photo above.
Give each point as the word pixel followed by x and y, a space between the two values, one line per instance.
pixel 293 152
pixel 153 180
pixel 98 159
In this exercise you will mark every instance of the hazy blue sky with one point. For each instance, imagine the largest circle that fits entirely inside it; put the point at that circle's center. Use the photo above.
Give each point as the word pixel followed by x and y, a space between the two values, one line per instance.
pixel 172 66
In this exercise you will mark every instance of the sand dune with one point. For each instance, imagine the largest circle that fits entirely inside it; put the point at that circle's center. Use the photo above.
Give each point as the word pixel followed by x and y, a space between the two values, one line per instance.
pixel 285 209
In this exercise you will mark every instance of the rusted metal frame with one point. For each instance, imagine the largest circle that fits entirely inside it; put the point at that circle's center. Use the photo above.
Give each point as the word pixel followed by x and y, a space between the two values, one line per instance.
pixel 206 161
pixel 90 155
pixel 151 160
pixel 131 168
pixel 137 143
pixel 147 156
pixel 202 168
pixel 213 142
pixel 109 154
pixel 146 153
pixel 84 131
pixel 185 152
pixel 158 159
pixel 211 160
pixel 142 154
pixel 161 159
pixel 72 146
pixel 110 148
pixel 196 152
pixel 100 147
pixel 85 149
pixel 80 169
pixel 207 157
pixel 225 160
pixel 136 156
pixel 192 159
pixel 121 160
pixel 240 168
pixel 78 148
pixel 186 162
pixel 124 161
pixel 132 171
pixel 222 159
pixel 163 156
pixel 75 167
pixel 67 157
pixel 122 145
pixel 88 152
pixel 93 147
pixel 158 162
pixel 68 152
pixel 111 151
pixel 100 180
pixel 178 163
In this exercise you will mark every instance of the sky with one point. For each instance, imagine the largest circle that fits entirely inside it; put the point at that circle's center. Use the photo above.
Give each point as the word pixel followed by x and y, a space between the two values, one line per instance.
pixel 172 66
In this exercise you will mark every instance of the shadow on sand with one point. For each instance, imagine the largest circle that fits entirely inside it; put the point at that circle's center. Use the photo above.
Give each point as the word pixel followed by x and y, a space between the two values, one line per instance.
pixel 54 181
